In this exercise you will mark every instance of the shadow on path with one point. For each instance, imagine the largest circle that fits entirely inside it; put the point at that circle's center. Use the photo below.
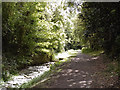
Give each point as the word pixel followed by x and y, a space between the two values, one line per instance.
pixel 81 72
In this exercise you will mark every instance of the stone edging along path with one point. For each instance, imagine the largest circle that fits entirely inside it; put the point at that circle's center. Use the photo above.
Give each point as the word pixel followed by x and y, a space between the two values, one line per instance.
pixel 27 75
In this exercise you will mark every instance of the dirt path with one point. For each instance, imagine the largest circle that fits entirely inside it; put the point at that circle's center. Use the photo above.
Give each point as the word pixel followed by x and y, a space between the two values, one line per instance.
pixel 83 71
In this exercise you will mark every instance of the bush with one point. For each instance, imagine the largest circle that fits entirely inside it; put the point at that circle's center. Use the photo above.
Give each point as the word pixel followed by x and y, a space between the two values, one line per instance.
pixel 43 56
pixel 92 52
pixel 86 50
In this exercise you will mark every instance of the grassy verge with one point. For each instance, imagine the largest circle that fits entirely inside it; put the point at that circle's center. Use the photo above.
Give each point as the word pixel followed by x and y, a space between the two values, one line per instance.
pixel 46 75
pixel 112 66
pixel 43 77
pixel 91 52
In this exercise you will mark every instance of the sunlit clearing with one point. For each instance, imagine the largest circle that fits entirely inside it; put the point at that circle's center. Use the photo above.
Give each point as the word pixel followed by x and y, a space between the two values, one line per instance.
pixel 63 55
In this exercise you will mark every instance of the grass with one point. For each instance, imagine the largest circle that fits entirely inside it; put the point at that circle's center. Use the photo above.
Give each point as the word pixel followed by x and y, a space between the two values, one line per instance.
pixel 112 67
pixel 43 77
pixel 53 69
pixel 35 80
pixel 72 52
pixel 92 52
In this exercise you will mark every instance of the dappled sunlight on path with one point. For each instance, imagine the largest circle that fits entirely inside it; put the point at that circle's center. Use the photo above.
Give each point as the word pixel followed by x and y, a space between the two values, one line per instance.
pixel 81 72
pixel 26 75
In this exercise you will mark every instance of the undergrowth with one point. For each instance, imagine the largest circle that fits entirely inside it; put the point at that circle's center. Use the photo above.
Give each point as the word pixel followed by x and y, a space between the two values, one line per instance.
pixel 44 76
pixel 112 66
pixel 92 52
pixel 53 69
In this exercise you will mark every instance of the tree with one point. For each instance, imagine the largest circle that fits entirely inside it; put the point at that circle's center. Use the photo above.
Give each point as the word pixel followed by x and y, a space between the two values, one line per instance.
pixel 32 32
pixel 101 26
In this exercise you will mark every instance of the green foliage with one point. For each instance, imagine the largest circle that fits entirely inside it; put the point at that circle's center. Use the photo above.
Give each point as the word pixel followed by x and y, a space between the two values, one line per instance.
pixel 27 34
pixel 45 76
pixel 35 80
pixel 100 27
pixel 32 33
pixel 91 51
pixel 86 50
pixel 112 67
